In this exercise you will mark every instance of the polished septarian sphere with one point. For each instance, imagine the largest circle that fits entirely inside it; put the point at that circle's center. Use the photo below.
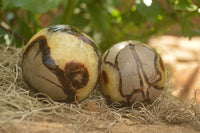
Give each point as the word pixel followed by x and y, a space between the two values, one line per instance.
pixel 62 62
pixel 130 72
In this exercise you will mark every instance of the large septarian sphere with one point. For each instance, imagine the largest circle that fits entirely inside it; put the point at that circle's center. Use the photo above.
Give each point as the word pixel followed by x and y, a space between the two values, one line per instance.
pixel 61 62
pixel 132 71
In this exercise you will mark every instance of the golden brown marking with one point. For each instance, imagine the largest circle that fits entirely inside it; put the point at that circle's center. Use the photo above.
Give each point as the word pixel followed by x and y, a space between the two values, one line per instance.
pixel 162 65
pixel 76 74
pixel 50 64
pixel 74 31
pixel 105 77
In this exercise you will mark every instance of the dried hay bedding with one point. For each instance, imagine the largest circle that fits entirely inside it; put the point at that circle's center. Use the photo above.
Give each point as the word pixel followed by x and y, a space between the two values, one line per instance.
pixel 18 104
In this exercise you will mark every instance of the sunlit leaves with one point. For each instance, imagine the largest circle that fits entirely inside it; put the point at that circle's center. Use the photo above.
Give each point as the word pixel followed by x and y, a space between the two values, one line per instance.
pixel 187 5
pixel 108 20
pixel 115 14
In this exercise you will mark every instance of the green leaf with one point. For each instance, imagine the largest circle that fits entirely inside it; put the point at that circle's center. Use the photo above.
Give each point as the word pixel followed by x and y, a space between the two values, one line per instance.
pixel 35 6
pixel 1 4
pixel 99 17
pixel 137 18
pixel 187 5
pixel 186 27
pixel 115 13
pixel 86 1
pixel 79 21
pixel 149 12
pixel 71 4
pixel 24 28
pixel 198 1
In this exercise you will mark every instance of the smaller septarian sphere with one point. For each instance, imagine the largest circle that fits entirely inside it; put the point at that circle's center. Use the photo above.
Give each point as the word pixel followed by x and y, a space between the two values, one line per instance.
pixel 130 72
pixel 61 62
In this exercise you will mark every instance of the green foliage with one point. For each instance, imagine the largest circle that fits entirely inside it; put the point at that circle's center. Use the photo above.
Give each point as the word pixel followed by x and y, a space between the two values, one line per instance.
pixel 185 5
pixel 71 4
pixel 106 21
pixel 99 16
pixel 148 12
pixel 35 6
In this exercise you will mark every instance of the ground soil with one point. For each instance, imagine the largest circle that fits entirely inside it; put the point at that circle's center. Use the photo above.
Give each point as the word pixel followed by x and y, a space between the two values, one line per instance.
pixel 49 127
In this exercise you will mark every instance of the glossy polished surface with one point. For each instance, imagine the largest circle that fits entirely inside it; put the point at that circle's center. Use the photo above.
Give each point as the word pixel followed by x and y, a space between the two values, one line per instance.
pixel 132 71
pixel 61 62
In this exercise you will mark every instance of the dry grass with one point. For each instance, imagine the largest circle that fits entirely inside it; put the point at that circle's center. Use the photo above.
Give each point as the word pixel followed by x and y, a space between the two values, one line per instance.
pixel 17 104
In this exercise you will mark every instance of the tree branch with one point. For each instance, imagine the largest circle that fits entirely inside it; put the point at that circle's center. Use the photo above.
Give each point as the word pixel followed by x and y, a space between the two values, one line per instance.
pixel 6 27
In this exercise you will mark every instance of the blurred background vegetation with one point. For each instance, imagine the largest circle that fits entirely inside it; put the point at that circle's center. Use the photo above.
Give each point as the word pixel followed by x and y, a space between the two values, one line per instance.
pixel 106 21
